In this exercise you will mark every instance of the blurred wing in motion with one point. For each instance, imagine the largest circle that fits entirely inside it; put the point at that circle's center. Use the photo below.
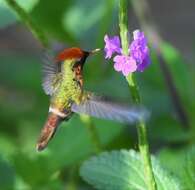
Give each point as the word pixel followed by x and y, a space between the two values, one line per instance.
pixel 101 108
pixel 51 74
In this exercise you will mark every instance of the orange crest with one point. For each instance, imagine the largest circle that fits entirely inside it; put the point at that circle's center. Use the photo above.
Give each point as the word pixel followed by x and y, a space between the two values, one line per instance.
pixel 70 53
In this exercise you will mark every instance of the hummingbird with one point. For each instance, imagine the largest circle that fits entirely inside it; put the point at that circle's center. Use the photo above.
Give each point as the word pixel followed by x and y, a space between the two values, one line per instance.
pixel 63 82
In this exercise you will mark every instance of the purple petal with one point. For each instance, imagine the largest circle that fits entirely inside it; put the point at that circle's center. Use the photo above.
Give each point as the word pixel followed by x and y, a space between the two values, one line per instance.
pixel 112 45
pixel 129 66
pixel 119 58
pixel 108 53
pixel 144 64
pixel 137 35
pixel 125 64
pixel 118 66
pixel 139 50
pixel 119 61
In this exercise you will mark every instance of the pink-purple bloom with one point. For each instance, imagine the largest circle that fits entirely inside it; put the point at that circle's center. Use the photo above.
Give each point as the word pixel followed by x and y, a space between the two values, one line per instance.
pixel 138 58
pixel 112 46
pixel 124 63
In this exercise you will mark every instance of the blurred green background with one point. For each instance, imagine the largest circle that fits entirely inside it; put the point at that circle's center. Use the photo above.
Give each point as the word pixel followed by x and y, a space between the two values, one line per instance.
pixel 24 106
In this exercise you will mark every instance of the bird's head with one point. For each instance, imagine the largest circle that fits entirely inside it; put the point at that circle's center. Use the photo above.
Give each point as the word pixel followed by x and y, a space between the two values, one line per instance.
pixel 76 54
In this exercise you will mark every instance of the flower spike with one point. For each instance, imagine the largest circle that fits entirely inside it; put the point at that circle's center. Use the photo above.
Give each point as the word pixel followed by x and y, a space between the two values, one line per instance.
pixel 138 58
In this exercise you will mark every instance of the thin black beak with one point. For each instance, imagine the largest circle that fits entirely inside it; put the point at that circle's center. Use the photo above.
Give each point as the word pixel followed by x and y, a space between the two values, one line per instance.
pixel 87 53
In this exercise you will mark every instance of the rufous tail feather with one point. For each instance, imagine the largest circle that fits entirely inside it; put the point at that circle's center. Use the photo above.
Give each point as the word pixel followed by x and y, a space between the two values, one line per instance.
pixel 48 130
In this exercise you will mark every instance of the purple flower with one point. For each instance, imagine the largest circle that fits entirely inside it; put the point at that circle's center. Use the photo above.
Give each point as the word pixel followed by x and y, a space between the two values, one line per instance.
pixel 124 63
pixel 112 46
pixel 138 58
pixel 139 50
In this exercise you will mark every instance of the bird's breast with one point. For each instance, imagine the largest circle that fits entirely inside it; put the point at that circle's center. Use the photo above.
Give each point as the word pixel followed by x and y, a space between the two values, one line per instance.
pixel 68 91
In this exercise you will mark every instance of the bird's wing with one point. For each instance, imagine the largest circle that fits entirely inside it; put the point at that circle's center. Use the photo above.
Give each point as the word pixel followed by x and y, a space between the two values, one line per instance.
pixel 51 74
pixel 101 108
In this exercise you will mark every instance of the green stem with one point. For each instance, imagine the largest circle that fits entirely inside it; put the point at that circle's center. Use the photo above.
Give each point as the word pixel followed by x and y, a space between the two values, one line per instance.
pixel 142 138
pixel 23 15
pixel 92 132
pixel 123 25
pixel 72 179
pixel 141 128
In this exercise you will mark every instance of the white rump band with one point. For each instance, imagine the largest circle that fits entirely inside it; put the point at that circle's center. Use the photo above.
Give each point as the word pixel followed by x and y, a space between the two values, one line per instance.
pixel 57 112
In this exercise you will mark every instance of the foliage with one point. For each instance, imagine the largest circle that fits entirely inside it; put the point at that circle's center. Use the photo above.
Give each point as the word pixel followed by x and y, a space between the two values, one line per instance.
pixel 123 170
pixel 24 107
pixel 181 162
pixel 5 12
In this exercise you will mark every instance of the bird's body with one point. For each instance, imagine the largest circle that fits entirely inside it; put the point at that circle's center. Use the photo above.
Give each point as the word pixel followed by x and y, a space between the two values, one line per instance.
pixel 67 88
pixel 63 81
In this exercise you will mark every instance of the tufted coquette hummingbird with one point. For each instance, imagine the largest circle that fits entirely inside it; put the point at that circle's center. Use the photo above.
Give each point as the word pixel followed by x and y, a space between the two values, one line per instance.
pixel 63 82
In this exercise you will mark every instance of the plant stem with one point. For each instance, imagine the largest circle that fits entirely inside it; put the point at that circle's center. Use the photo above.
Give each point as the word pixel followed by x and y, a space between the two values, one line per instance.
pixel 123 25
pixel 24 16
pixel 142 137
pixel 141 128
pixel 72 179
pixel 92 131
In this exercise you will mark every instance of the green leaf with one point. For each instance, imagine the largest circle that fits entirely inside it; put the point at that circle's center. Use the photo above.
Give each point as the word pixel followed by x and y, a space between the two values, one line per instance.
pixel 83 17
pixel 181 163
pixel 20 67
pixel 175 159
pixel 123 170
pixel 27 166
pixel 163 126
pixel 48 15
pixel 183 75
pixel 179 70
pixel 7 175
pixel 7 146
pixel 7 16
pixel 189 171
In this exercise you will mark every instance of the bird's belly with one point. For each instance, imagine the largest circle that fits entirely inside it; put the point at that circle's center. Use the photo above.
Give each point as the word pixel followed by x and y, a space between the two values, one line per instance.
pixel 66 95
